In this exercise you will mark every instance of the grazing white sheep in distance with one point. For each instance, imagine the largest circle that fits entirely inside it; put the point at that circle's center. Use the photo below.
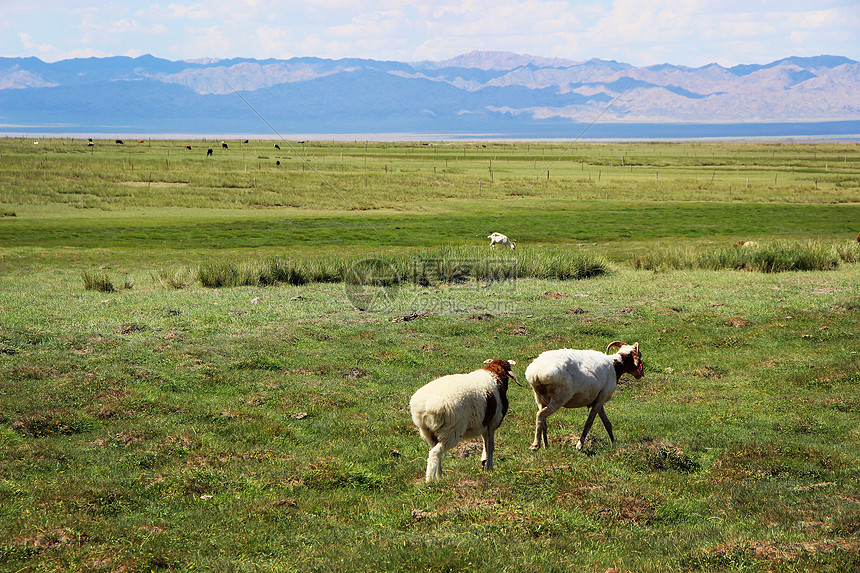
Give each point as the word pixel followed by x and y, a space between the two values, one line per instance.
pixel 500 239
pixel 459 406
pixel 579 379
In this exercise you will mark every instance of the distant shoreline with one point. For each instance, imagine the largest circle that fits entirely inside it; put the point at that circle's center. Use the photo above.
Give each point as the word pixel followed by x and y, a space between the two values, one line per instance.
pixel 846 131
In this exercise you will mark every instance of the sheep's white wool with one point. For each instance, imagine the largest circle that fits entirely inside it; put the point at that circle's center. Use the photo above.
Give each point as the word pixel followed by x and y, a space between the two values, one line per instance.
pixel 588 371
pixel 459 406
pixel 500 239
pixel 450 404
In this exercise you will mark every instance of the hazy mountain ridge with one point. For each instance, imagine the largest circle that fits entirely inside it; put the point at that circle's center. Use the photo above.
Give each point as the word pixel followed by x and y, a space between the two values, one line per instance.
pixel 478 90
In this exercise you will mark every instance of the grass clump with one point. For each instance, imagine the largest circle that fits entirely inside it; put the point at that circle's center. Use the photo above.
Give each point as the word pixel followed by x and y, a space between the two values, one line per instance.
pixel 278 270
pixel 217 275
pixel 561 264
pixel 459 264
pixel 848 251
pixel 271 272
pixel 101 282
pixel 175 278
pixel 449 265
pixel 775 257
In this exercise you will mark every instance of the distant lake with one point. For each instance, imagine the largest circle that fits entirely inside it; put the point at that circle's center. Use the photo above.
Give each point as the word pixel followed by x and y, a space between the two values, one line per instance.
pixel 829 130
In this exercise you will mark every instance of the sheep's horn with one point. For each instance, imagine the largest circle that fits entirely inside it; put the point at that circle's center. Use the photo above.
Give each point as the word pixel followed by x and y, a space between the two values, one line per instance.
pixel 511 362
pixel 515 378
pixel 615 344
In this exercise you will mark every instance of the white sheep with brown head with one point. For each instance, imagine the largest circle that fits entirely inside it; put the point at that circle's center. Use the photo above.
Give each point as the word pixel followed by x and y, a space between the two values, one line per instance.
pixel 579 379
pixel 458 406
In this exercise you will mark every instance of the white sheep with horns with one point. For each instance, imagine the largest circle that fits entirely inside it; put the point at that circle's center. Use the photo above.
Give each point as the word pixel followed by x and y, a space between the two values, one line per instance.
pixel 579 379
pixel 500 239
pixel 459 406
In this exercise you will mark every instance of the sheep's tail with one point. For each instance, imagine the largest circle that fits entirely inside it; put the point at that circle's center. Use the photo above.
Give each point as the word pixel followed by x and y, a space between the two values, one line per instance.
pixel 428 424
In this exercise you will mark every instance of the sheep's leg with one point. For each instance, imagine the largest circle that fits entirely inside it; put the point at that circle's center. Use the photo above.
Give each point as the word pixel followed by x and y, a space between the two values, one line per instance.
pixel 590 420
pixel 606 423
pixel 540 423
pixel 434 462
pixel 489 448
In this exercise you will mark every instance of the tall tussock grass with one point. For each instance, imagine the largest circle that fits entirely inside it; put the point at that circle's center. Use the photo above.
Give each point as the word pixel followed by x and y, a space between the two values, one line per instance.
pixel 102 282
pixel 460 264
pixel 560 263
pixel 217 275
pixel 772 257
pixel 175 278
pixel 271 272
pixel 848 251
pixel 98 281
pixel 448 265
pixel 453 265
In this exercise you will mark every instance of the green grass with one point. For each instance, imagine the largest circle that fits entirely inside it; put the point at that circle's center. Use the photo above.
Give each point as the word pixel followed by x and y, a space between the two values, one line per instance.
pixel 770 257
pixel 263 425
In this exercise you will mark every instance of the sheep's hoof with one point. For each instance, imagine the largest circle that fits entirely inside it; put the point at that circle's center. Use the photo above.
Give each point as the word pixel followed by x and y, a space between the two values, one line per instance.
pixel 534 447
pixel 579 445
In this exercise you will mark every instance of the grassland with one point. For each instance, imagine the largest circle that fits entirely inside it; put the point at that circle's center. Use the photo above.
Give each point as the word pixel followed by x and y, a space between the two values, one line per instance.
pixel 167 425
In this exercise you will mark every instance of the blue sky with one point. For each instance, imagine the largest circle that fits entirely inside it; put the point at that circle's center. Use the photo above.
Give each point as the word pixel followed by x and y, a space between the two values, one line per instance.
pixel 640 32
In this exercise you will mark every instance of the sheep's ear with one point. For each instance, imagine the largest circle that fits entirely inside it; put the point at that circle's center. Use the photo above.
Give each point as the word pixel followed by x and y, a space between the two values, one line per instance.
pixel 615 344
pixel 512 362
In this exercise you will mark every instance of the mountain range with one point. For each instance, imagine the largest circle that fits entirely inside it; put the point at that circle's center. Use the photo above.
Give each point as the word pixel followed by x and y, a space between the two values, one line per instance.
pixel 475 94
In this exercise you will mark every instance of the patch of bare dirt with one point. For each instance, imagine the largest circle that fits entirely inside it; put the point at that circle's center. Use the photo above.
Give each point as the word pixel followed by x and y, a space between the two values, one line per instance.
pixel 411 316
pixel 554 295
pixel 787 551
pixel 44 540
pixel 481 317
pixel 628 509
pixel 131 328
pixel 467 450
pixel 420 515
pixel 307 371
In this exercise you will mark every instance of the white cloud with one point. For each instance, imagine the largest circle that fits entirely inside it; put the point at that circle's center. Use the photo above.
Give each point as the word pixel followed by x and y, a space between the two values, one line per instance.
pixel 32 46
pixel 641 32
pixel 384 24
pixel 126 26
pixel 210 41
pixel 87 53
pixel 194 12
